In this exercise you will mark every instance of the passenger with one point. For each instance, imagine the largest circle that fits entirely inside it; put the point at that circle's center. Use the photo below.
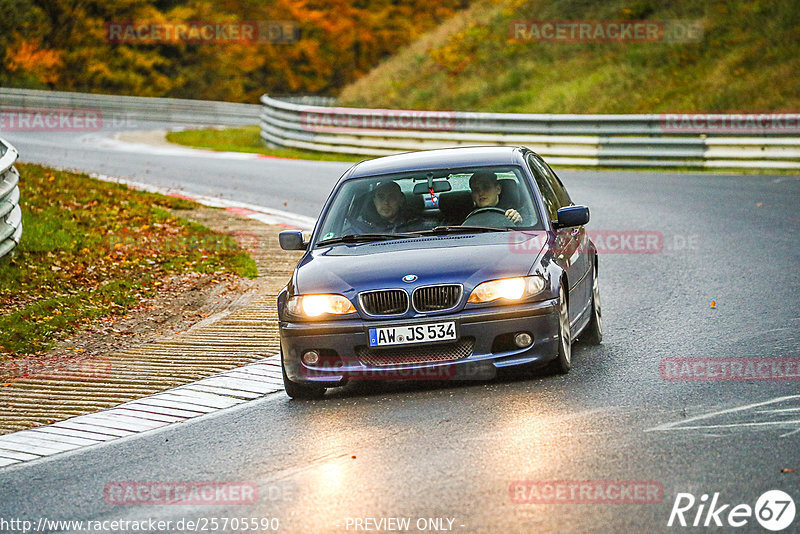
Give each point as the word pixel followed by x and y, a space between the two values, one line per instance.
pixel 386 212
pixel 486 194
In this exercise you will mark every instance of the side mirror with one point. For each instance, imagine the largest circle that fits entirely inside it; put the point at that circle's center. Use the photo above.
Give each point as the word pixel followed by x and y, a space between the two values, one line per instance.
pixel 292 240
pixel 572 216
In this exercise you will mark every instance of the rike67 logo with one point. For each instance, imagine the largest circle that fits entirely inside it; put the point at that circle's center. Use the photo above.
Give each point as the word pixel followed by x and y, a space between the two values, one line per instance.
pixel 774 510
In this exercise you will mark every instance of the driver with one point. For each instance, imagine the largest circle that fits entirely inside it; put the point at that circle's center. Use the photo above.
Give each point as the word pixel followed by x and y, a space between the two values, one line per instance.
pixel 486 194
pixel 386 212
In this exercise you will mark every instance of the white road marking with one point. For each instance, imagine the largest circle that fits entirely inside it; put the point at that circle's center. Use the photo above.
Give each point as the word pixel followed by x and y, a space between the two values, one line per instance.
pixel 23 438
pixel 790 433
pixel 223 391
pixel 208 399
pixel 31 449
pixel 14 455
pixel 44 438
pixel 685 423
pixel 235 383
pixel 79 425
pixel 77 433
pixel 114 420
pixel 189 402
pixel 149 415
pixel 159 407
pixel 248 377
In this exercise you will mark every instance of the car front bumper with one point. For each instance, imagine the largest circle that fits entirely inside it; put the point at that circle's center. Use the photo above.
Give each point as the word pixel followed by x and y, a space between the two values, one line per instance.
pixel 491 330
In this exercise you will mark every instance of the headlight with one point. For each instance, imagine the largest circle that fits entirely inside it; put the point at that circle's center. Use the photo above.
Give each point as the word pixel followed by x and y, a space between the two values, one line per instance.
pixel 316 305
pixel 508 289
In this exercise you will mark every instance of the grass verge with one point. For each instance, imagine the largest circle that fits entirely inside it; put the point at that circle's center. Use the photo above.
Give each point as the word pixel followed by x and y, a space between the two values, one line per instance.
pixel 248 139
pixel 91 250
pixel 741 58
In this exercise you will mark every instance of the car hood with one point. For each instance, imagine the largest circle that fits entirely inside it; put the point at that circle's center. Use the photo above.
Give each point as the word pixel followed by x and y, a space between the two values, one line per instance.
pixel 466 259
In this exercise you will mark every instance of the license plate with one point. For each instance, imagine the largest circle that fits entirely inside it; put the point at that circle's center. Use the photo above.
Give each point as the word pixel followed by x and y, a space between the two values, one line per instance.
pixel 404 335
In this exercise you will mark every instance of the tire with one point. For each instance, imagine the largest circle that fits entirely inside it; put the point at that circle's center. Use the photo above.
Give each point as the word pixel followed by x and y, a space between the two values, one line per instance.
pixel 594 330
pixel 563 362
pixel 299 391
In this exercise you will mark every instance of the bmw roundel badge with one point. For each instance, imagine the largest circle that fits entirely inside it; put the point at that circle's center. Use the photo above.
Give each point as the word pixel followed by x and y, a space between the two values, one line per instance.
pixel 409 278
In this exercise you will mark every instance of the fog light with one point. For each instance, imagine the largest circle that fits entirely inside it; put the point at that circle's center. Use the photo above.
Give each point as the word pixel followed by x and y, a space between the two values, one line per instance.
pixel 311 357
pixel 523 339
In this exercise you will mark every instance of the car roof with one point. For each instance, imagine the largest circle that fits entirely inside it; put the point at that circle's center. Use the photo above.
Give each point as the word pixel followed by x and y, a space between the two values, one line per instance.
pixel 445 158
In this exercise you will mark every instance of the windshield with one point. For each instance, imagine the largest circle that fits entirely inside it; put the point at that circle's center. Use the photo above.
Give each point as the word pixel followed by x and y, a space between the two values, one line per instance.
pixel 402 205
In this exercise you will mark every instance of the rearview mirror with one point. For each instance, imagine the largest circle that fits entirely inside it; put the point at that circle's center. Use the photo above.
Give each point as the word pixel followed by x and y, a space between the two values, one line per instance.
pixel 439 186
pixel 292 240
pixel 572 216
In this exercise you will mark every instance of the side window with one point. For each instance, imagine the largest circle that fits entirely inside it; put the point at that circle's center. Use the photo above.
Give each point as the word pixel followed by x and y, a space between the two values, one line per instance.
pixel 551 201
pixel 558 187
pixel 555 184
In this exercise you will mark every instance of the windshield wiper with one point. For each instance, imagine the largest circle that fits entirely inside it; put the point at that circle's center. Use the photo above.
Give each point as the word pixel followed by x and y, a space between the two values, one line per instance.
pixel 441 230
pixel 363 238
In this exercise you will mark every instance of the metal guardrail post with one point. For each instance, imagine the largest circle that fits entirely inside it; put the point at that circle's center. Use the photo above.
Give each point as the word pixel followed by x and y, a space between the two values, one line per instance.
pixel 583 140
pixel 10 212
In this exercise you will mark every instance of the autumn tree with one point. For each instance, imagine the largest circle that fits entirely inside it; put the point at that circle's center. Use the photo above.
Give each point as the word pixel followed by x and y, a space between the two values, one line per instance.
pixel 63 44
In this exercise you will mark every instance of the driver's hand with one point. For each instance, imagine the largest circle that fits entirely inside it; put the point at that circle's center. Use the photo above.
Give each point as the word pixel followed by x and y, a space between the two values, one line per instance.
pixel 513 216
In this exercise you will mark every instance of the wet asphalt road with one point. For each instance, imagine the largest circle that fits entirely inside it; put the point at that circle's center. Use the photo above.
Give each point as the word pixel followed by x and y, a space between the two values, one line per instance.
pixel 457 451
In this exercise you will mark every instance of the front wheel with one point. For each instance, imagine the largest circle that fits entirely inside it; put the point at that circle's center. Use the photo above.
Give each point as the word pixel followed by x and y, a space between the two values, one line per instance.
pixel 563 362
pixel 299 391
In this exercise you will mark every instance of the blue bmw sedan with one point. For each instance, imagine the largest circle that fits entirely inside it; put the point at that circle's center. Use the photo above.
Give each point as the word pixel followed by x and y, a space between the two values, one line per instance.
pixel 439 264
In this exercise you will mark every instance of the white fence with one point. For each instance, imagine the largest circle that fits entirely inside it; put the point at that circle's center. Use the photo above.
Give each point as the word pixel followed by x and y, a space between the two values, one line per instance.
pixel 722 141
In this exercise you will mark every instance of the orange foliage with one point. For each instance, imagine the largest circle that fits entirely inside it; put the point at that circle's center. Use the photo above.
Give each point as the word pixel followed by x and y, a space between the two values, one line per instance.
pixel 28 57
pixel 338 42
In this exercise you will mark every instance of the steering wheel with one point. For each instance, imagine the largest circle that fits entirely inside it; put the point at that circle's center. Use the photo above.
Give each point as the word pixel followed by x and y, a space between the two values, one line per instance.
pixel 489 216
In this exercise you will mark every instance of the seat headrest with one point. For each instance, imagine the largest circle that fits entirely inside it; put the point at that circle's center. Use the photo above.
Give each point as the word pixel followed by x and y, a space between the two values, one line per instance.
pixel 455 205
pixel 509 193
pixel 413 205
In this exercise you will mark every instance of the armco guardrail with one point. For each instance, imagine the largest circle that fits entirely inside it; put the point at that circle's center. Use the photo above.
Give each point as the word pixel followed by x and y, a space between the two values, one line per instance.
pixel 10 212
pixel 115 110
pixel 586 140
